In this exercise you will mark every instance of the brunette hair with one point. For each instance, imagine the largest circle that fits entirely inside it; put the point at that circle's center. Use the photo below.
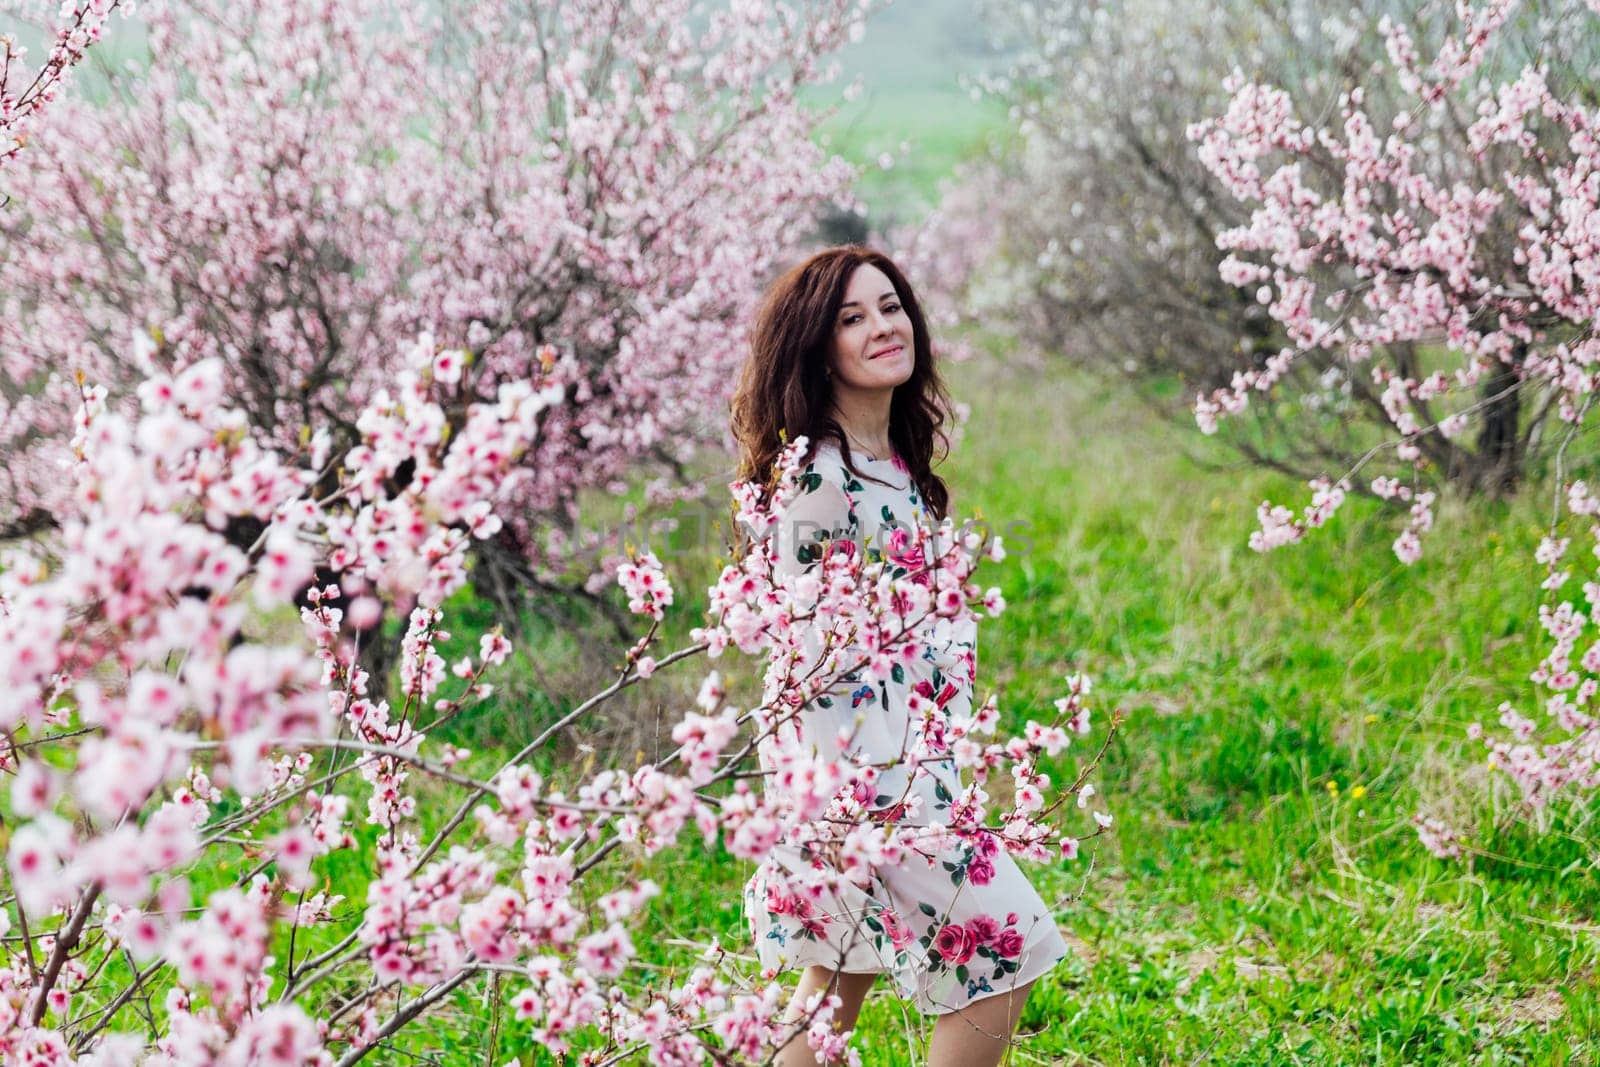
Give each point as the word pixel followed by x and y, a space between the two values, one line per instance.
pixel 783 391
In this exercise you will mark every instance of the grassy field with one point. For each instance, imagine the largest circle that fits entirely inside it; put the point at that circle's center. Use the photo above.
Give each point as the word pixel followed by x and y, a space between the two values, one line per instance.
pixel 1263 898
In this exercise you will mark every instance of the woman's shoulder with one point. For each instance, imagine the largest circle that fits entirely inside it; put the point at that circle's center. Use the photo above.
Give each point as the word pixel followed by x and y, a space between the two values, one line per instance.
pixel 827 462
pixel 822 497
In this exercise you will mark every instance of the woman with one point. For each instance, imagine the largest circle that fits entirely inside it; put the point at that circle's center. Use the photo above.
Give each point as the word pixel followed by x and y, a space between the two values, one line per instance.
pixel 841 355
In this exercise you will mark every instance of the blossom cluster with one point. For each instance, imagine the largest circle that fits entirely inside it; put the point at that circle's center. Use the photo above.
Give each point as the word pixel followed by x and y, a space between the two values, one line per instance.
pixel 80 24
pixel 135 695
pixel 1559 753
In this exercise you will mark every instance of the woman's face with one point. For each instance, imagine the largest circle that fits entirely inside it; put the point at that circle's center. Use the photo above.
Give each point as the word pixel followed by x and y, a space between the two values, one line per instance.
pixel 872 335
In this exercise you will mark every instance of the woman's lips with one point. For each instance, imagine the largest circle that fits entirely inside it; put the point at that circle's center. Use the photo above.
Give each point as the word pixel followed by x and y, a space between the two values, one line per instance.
pixel 888 351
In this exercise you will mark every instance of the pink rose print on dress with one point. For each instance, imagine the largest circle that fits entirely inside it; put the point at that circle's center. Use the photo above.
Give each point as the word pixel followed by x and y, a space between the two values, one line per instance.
pixel 843 547
pixel 779 902
pixel 984 929
pixel 893 813
pixel 901 550
pixel 898 544
pixel 924 688
pixel 955 944
pixel 1009 943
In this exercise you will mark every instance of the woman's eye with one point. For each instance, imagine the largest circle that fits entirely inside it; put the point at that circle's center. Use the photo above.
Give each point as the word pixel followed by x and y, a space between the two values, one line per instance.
pixel 851 320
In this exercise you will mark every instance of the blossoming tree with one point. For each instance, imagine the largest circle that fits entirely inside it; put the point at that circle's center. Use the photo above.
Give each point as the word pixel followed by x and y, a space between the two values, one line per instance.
pixel 1443 262
pixel 1106 221
pixel 591 191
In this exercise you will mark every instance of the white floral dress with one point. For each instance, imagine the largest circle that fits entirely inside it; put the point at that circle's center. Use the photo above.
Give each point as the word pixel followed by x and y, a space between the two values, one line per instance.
pixel 948 928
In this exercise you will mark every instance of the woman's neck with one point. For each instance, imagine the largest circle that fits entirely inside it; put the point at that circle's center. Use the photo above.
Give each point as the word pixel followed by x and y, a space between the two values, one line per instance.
pixel 865 422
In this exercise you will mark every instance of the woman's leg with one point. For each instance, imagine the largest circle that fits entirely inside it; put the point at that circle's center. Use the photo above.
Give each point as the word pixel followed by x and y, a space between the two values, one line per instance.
pixel 977 1035
pixel 852 990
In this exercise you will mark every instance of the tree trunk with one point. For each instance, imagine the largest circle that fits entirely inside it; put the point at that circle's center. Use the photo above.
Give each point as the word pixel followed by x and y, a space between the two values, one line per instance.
pixel 1498 466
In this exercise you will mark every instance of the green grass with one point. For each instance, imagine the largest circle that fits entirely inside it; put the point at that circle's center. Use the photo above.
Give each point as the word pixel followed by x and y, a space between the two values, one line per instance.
pixel 1242 911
